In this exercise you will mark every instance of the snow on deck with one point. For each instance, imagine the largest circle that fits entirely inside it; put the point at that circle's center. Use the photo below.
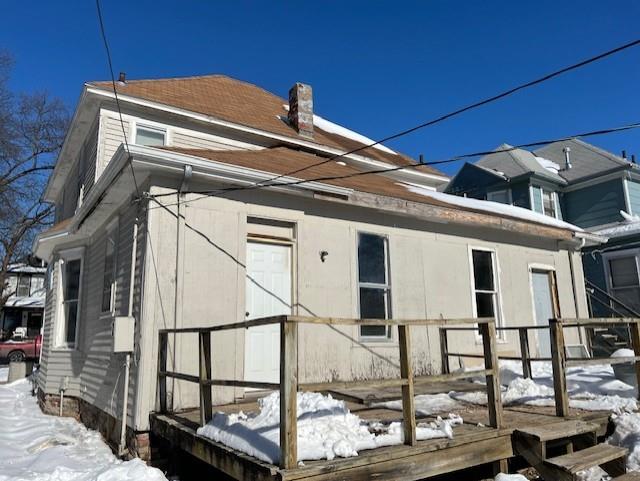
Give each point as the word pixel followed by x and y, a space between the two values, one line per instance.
pixel 491 207
pixel 326 429
pixel 38 447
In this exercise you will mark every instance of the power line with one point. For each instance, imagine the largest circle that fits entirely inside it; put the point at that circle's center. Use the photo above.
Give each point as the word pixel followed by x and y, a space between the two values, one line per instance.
pixel 115 93
pixel 215 193
pixel 472 106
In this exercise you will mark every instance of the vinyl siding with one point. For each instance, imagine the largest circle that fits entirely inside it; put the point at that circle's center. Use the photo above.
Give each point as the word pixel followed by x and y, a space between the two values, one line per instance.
pixel 634 196
pixel 595 205
pixel 193 140
pixel 111 137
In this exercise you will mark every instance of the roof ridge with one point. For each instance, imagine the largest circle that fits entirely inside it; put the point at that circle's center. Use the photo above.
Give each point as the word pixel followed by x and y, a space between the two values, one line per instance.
pixel 600 151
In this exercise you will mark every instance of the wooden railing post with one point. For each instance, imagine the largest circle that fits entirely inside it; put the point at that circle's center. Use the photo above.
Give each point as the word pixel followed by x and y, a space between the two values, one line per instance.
pixel 494 399
pixel 406 372
pixel 524 352
pixel 444 351
pixel 163 339
pixel 558 363
pixel 288 394
pixel 206 409
pixel 634 333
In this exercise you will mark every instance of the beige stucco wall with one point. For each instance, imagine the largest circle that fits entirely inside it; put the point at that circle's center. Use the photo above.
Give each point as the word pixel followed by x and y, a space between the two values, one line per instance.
pixel 430 278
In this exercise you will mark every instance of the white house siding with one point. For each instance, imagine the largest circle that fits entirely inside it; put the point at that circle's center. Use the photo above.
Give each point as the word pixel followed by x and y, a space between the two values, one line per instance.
pixel 95 374
pixel 430 275
pixel 110 138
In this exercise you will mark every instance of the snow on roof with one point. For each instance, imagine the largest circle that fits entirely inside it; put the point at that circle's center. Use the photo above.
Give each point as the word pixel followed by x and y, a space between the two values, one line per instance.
pixel 492 207
pixel 550 165
pixel 26 269
pixel 35 300
pixel 619 230
pixel 333 128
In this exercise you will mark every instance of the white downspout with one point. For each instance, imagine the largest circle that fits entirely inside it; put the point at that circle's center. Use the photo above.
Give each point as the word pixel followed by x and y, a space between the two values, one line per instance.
pixel 122 448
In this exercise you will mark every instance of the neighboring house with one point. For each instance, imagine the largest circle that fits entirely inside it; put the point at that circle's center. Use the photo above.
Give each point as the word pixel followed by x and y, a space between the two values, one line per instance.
pixel 155 247
pixel 582 184
pixel 25 305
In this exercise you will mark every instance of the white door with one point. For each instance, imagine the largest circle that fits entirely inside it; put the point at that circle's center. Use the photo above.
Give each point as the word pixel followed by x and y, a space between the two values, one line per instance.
pixel 543 309
pixel 268 293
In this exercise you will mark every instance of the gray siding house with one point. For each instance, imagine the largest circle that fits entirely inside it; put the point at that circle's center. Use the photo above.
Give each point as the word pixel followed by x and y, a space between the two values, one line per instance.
pixel 215 201
pixel 584 185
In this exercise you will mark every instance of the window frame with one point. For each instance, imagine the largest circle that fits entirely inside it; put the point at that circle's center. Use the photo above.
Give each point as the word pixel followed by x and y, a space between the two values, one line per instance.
pixel 112 234
pixel 386 288
pixel 60 339
pixel 20 277
pixel 497 292
pixel 555 201
pixel 500 191
pixel 150 128
pixel 608 256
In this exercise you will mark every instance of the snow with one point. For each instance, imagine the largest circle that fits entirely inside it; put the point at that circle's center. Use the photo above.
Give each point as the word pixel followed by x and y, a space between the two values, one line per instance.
pixel 35 300
pixel 332 128
pixel 548 164
pixel 491 207
pixel 510 477
pixel 627 227
pixel 38 447
pixel 326 429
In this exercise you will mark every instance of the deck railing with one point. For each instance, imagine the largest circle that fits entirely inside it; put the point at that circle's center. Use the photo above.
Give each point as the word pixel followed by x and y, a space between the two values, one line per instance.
pixel 289 383
pixel 558 348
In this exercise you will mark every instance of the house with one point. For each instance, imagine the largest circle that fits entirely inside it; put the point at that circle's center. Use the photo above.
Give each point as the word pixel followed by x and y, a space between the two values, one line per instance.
pixel 25 305
pixel 225 203
pixel 584 185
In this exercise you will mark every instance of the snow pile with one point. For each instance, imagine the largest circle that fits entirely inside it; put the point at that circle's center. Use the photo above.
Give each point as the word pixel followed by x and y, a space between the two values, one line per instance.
pixel 425 404
pixel 510 477
pixel 333 128
pixel 630 225
pixel 550 165
pixel 491 207
pixel 326 429
pixel 37 447
pixel 627 434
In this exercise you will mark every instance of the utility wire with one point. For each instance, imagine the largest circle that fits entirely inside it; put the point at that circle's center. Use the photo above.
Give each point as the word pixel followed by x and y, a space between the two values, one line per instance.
pixel 115 93
pixel 472 106
pixel 217 192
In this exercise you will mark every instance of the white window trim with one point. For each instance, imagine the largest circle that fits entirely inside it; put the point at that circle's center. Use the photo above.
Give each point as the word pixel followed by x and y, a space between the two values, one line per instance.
pixel 627 198
pixel 135 124
pixel 501 335
pixel 508 192
pixel 112 232
pixel 65 256
pixel 388 338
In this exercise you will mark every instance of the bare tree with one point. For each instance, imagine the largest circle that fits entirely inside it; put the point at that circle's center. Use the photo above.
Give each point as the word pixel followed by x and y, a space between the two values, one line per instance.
pixel 32 130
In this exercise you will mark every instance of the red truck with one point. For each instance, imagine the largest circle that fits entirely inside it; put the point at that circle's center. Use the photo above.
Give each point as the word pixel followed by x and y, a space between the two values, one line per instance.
pixel 19 349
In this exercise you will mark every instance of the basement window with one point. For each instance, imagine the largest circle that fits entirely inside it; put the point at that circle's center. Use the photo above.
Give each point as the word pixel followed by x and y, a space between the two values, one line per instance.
pixel 150 136
pixel 373 284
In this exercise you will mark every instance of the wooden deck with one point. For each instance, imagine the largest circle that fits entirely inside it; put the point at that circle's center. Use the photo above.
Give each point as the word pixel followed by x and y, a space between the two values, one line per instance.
pixel 473 443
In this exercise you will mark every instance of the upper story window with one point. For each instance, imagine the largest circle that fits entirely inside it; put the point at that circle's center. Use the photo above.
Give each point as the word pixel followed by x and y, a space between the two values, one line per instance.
pixel 373 283
pixel 545 202
pixel 502 196
pixel 24 286
pixel 485 285
pixel 150 136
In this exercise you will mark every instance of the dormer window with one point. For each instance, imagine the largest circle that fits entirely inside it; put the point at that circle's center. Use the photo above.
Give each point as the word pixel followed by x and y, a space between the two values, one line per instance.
pixel 549 203
pixel 545 202
pixel 150 136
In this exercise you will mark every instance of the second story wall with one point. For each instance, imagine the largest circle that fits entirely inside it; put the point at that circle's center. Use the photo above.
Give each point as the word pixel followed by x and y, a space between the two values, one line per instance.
pixel 595 205
pixel 633 192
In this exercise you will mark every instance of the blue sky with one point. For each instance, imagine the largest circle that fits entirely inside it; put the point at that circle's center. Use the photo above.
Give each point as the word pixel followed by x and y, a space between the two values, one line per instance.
pixel 376 67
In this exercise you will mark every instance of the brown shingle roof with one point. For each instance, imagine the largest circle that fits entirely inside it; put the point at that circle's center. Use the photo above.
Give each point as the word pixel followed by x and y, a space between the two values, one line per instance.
pixel 242 103
pixel 281 160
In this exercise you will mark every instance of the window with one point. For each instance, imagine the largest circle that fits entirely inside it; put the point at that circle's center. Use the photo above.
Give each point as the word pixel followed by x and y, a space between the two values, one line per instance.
pixel 623 280
pixel 373 283
pixel 109 278
pixel 24 286
pixel 150 136
pixel 71 275
pixel 501 196
pixel 545 202
pixel 485 289
pixel 549 203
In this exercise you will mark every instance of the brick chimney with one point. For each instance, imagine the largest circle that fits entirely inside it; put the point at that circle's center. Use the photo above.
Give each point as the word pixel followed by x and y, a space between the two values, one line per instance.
pixel 301 109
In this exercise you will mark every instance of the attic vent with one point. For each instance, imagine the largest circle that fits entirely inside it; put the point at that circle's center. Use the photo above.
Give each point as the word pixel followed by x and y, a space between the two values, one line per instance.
pixel 301 109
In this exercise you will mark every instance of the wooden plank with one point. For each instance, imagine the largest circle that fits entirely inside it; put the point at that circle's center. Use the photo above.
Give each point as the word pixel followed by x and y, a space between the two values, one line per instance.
pixel 444 351
pixel 438 378
pixel 163 339
pixel 406 372
pixel 288 395
pixel 494 400
pixel 599 321
pixel 587 458
pixel 204 351
pixel 263 321
pixel 634 332
pixel 601 360
pixel 558 430
pixel 246 384
pixel 524 352
pixel 558 363
pixel 387 322
pixel 369 383
pixel 506 358
pixel 181 376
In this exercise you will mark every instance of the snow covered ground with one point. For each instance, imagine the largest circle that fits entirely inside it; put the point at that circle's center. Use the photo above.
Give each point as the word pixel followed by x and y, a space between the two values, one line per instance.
pixel 37 447
pixel 326 429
